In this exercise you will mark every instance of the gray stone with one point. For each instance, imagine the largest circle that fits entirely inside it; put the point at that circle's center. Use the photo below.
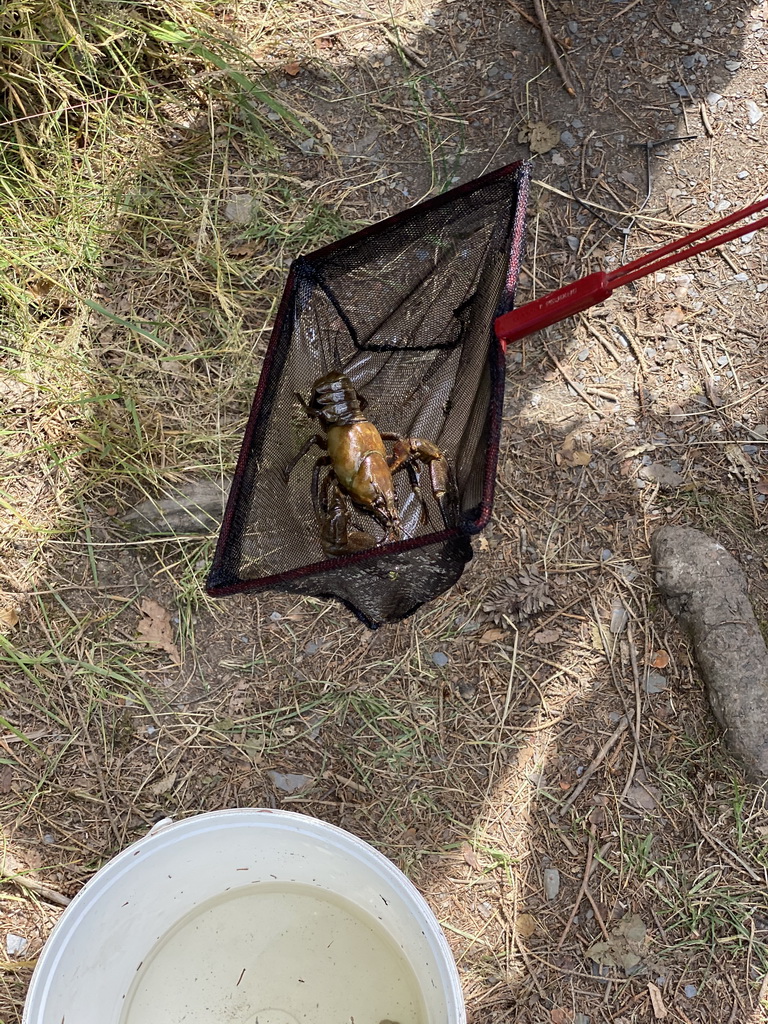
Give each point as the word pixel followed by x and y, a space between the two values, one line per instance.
pixel 568 139
pixel 754 113
pixel 617 51
pixel 706 591
pixel 551 883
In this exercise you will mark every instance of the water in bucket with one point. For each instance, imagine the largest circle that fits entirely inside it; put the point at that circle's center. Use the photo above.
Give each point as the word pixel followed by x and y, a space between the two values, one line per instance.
pixel 275 955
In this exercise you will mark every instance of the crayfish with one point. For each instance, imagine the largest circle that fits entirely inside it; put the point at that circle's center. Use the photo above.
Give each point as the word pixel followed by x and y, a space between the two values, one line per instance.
pixel 360 469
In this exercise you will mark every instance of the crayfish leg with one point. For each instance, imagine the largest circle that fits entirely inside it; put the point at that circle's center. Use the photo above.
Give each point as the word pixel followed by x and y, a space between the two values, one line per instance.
pixel 289 467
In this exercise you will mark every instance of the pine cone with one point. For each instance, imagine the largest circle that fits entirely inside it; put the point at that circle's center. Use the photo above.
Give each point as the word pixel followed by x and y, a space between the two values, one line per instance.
pixel 519 598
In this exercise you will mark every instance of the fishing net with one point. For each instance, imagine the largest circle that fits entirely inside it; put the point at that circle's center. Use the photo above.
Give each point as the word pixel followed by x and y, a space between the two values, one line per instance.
pixel 405 309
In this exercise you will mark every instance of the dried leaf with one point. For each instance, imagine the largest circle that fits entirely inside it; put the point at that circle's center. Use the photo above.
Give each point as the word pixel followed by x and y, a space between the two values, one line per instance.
pixel 470 857
pixel 643 795
pixel 740 464
pixel 525 925
pixel 547 636
pixel 491 636
pixel 9 616
pixel 293 68
pixel 244 249
pixel 155 628
pixel 660 660
pixel 164 785
pixel 762 485
pixel 539 136
pixel 559 1015
pixel 625 946
pixel 571 458
pixel 288 782
pixel 662 475
pixel 673 317
pixel 659 1009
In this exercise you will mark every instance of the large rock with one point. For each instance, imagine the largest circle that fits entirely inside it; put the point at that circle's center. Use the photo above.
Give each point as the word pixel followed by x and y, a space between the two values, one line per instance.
pixel 706 591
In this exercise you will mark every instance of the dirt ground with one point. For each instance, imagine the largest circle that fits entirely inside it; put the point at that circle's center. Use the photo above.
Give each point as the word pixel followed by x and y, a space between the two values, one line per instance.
pixel 455 742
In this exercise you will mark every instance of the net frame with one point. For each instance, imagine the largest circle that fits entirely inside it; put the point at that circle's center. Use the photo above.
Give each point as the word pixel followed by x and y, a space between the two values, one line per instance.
pixel 449 547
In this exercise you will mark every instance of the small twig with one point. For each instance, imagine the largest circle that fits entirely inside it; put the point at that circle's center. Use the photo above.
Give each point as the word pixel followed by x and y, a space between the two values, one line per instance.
pixel 730 855
pixel 574 384
pixel 597 761
pixel 582 891
pixel 409 52
pixel 538 6
pixel 636 349
pixel 607 345
pixel 705 120
pixel 636 677
pixel 596 912
pixel 523 14
pixel 39 888
pixel 624 10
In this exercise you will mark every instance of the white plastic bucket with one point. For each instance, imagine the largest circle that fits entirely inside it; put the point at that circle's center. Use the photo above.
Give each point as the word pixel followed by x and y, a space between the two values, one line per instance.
pixel 247 917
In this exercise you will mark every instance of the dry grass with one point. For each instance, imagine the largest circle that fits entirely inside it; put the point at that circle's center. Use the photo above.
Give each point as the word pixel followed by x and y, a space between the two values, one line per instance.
pixel 135 316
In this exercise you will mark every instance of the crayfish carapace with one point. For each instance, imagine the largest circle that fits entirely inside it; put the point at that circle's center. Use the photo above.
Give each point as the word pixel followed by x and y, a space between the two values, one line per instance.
pixel 360 470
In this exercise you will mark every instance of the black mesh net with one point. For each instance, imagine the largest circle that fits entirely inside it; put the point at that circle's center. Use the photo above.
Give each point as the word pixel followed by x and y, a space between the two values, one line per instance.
pixel 405 310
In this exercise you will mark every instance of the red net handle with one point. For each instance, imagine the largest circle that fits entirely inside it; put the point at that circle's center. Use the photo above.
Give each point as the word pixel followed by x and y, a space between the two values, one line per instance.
pixel 594 288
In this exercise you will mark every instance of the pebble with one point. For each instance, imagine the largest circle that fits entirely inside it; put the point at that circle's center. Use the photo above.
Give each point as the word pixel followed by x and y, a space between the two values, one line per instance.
pixel 741 276
pixel 722 205
pixel 713 98
pixel 49 839
pixel 573 27
pixel 732 65
pixel 568 139
pixel 15 945
pixel 606 555
pixel 676 27
pixel 583 355
pixel 655 682
pixel 690 991
pixel 742 175
pixel 576 123
pixel 551 883
pixel 754 113
pixel 573 242
pixel 722 360
pixel 617 51
pixel 312 647
pixel 440 659
pixel 762 286
pixel 682 90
